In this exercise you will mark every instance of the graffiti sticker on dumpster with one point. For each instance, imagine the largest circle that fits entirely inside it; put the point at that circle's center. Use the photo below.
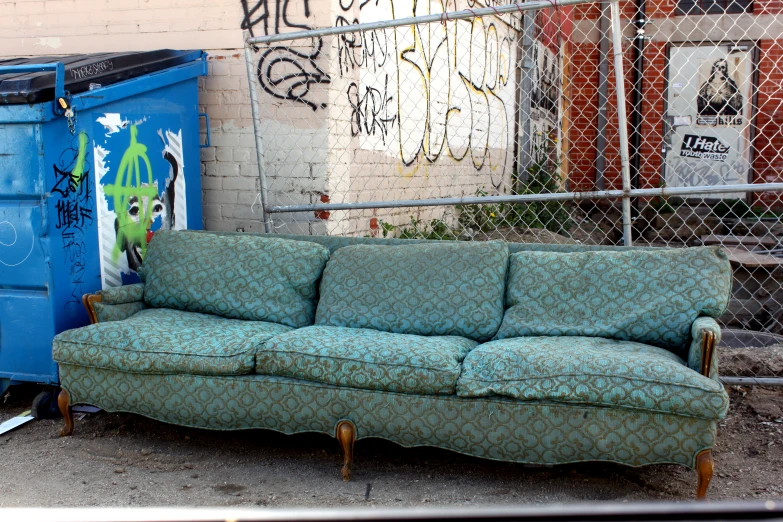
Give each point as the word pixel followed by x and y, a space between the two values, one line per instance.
pixel 140 188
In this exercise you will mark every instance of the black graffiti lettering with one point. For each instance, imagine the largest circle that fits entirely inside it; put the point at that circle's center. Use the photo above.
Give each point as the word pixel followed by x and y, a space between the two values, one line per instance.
pixel 370 111
pixel 289 74
pixel 249 22
pixel 366 49
pixel 74 205
pixel 260 12
pixel 72 214
pixel 285 72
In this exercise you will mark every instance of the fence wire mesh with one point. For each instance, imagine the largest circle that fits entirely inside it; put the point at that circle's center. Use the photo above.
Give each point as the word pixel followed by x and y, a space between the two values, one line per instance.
pixel 524 103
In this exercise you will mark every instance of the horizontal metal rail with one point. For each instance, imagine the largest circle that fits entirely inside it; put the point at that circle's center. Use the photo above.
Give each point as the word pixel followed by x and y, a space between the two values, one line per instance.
pixel 441 17
pixel 757 381
pixel 531 198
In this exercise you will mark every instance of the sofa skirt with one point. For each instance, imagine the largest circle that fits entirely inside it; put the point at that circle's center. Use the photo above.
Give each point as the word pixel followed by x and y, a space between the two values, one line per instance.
pixel 496 428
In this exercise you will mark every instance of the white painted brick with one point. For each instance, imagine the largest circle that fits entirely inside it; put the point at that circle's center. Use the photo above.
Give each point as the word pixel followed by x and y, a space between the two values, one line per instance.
pixel 211 183
pixel 211 211
pixel 247 184
pixel 241 212
pixel 208 154
pixel 24 7
pixel 122 28
pixel 224 153
pixel 243 154
pixel 219 197
pixel 219 68
pixel 219 225
pixel 59 6
pixel 227 169
pixel 210 169
pixel 154 27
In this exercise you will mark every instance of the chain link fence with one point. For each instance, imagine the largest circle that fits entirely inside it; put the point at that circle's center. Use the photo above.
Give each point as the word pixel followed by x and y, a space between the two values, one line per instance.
pixel 480 121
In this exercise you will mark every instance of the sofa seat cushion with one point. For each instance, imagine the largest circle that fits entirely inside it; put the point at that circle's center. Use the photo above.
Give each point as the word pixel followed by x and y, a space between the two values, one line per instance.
pixel 364 358
pixel 255 278
pixel 437 288
pixel 163 341
pixel 591 370
pixel 650 296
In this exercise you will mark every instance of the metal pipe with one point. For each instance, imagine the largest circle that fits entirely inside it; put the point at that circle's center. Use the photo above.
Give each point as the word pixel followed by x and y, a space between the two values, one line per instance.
pixel 530 198
pixel 638 93
pixel 441 18
pixel 761 381
pixel 251 78
pixel 617 36
pixel 603 97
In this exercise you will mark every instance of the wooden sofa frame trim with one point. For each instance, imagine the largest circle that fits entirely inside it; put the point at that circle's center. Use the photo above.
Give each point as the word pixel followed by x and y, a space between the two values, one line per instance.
pixel 87 301
pixel 345 431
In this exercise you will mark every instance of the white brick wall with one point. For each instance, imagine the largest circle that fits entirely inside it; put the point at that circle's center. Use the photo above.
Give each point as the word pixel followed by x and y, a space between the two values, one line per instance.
pixel 311 153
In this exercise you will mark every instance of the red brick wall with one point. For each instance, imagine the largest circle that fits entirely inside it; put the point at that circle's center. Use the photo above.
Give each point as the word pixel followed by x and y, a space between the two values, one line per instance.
pixel 768 142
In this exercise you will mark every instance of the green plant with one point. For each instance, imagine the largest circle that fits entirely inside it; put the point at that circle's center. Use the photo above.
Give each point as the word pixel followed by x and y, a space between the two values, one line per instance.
pixel 543 178
pixel 733 209
pixel 664 204
pixel 482 217
pixel 436 229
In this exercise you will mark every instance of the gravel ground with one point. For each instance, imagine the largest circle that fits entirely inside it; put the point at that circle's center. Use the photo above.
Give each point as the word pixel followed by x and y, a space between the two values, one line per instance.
pixel 127 460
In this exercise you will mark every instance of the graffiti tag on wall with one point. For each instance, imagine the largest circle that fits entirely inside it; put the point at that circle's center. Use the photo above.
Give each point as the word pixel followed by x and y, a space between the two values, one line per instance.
pixel 285 72
pixel 74 205
pixel 140 188
pixel 430 89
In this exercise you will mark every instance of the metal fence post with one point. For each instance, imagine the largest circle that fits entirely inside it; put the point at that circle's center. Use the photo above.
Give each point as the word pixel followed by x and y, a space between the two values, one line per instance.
pixel 251 78
pixel 619 76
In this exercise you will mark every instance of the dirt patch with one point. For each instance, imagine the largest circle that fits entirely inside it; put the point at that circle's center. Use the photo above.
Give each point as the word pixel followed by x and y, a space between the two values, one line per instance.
pixel 765 361
pixel 128 460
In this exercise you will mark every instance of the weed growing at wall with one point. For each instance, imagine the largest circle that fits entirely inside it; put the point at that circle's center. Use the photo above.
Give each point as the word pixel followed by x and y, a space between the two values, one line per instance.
pixel 543 178
pixel 435 229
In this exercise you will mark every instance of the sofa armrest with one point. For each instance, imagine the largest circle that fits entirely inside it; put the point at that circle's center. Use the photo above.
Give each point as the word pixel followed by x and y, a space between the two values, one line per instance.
pixel 123 294
pixel 702 356
pixel 114 304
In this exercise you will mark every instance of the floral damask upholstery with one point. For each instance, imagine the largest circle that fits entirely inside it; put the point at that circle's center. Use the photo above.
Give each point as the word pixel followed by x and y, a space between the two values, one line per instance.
pixel 648 296
pixel 116 312
pixel 591 370
pixel 123 294
pixel 369 359
pixel 159 340
pixel 592 396
pixel 495 428
pixel 240 277
pixel 437 288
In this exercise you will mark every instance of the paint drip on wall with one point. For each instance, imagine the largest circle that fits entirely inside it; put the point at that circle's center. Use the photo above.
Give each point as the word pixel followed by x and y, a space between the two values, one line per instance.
pixel 140 188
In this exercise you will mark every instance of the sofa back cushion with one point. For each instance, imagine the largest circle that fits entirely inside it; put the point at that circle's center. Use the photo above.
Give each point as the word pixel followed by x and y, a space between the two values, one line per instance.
pixel 437 288
pixel 650 296
pixel 241 277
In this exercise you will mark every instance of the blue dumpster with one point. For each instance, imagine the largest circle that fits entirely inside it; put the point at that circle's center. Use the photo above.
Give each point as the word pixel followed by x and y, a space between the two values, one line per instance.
pixel 97 152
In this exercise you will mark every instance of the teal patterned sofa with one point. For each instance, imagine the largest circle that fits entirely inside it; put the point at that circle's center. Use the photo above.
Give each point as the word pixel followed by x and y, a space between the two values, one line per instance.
pixel 543 354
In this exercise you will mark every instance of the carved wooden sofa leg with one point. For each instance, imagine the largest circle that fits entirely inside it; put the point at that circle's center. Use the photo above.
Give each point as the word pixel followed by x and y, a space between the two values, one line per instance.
pixel 64 402
pixel 704 468
pixel 346 435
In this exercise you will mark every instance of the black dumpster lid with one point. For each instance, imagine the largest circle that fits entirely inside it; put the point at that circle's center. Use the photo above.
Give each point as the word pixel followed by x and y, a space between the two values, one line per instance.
pixel 81 70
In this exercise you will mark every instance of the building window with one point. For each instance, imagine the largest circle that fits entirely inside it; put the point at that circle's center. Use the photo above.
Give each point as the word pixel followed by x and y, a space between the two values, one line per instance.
pixel 700 7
